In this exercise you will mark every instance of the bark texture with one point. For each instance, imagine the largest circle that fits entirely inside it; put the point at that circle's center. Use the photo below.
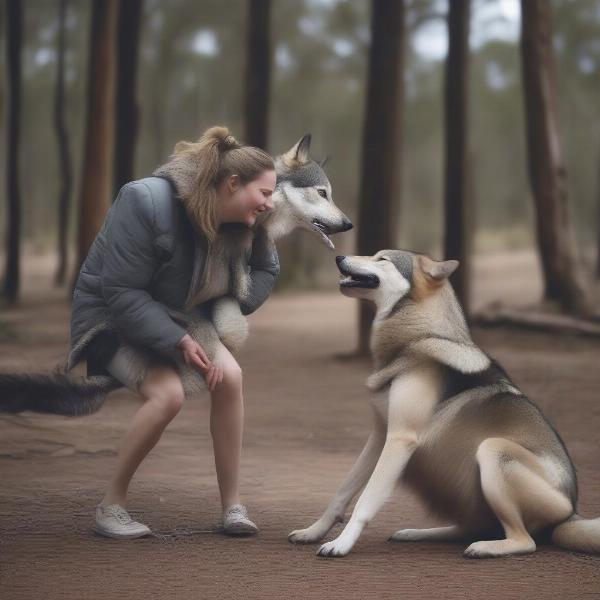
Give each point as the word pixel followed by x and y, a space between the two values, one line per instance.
pixel 563 277
pixel 458 222
pixel 258 73
pixel 379 200
pixel 64 157
pixel 14 42
pixel 95 198
pixel 127 112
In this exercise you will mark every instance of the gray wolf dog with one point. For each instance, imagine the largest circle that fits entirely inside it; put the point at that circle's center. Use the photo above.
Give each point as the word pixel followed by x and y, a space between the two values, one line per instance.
pixel 302 199
pixel 450 424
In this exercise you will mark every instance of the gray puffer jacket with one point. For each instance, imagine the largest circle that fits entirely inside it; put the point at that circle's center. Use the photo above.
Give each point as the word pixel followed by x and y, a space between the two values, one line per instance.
pixel 148 261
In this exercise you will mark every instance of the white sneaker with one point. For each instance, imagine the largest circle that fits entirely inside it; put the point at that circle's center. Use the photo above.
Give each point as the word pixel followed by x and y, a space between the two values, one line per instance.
pixel 236 521
pixel 114 521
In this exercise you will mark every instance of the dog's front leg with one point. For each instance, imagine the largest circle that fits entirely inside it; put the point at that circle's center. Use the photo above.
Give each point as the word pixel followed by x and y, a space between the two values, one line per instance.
pixel 412 400
pixel 354 482
pixel 396 453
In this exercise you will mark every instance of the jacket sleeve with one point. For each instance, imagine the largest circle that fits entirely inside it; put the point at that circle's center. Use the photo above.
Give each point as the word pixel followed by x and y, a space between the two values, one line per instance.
pixel 264 269
pixel 130 262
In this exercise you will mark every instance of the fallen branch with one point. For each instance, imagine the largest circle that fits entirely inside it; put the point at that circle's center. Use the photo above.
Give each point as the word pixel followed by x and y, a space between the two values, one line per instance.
pixel 537 320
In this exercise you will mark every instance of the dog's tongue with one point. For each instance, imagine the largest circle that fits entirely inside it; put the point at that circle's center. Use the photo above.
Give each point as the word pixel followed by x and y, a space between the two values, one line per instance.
pixel 327 241
pixel 320 229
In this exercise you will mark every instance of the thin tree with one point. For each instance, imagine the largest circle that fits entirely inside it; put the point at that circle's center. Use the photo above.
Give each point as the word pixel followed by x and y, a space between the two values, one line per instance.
pixel 379 199
pixel 598 226
pixel 62 136
pixel 562 272
pixel 96 175
pixel 164 67
pixel 457 222
pixel 258 73
pixel 127 113
pixel 14 38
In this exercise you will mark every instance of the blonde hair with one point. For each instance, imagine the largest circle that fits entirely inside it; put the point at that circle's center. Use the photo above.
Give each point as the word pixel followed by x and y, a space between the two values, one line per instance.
pixel 218 155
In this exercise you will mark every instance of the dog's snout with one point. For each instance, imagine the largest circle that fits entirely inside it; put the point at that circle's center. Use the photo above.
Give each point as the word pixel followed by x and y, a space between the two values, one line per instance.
pixel 346 225
pixel 339 259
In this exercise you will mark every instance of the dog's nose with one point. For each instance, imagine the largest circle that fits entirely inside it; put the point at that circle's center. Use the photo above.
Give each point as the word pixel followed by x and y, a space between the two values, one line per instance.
pixel 346 225
pixel 339 259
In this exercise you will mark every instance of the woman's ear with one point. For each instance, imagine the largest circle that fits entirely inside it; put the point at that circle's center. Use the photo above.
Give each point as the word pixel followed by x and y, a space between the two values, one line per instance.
pixel 233 183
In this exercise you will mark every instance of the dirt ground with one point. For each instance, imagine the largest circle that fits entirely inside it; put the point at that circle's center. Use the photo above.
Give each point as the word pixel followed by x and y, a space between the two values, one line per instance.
pixel 306 421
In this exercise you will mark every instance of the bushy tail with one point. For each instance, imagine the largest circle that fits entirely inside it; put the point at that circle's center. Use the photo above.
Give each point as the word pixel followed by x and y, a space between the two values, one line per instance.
pixel 56 393
pixel 581 535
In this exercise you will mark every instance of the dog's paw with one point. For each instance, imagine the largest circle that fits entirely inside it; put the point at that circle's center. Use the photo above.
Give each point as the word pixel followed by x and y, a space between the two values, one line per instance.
pixel 335 548
pixel 406 535
pixel 497 548
pixel 305 536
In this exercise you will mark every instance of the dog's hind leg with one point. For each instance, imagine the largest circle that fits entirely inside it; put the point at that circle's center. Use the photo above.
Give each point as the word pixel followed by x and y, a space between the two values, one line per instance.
pixel 354 482
pixel 521 492
pixel 452 533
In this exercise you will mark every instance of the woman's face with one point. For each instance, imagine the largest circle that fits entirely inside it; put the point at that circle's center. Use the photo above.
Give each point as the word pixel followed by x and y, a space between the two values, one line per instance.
pixel 243 203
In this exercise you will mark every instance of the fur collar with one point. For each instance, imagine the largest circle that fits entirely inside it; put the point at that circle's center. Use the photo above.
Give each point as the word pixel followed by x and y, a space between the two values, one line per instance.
pixel 182 172
pixel 226 258
pixel 433 329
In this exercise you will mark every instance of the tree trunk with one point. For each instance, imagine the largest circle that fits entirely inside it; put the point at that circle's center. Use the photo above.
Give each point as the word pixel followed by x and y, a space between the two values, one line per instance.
pixel 381 149
pixel 457 221
pixel 14 37
pixel 563 277
pixel 598 225
pixel 129 21
pixel 96 176
pixel 63 149
pixel 258 73
pixel 165 65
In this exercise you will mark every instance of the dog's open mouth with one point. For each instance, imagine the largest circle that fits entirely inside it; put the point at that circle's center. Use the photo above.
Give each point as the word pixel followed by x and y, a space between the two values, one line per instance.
pixel 324 232
pixel 362 280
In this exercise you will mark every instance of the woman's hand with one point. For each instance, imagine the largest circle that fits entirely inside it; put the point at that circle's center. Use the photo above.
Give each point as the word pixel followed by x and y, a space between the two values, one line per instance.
pixel 193 353
pixel 195 356
pixel 213 376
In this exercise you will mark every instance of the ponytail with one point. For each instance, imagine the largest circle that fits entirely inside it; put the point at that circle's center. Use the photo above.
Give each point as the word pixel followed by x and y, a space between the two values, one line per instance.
pixel 216 156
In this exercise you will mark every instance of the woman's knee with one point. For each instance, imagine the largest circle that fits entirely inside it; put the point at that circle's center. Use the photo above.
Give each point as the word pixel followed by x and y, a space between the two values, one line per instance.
pixel 232 375
pixel 164 388
pixel 232 372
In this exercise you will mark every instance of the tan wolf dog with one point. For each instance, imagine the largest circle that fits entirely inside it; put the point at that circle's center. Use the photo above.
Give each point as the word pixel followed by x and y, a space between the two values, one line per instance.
pixel 449 423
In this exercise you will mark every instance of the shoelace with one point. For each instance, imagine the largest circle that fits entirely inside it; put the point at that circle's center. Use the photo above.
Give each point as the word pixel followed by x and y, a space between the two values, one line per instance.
pixel 238 510
pixel 121 515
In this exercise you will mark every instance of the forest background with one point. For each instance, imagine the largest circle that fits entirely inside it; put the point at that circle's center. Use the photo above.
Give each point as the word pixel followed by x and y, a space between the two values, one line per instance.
pixel 191 60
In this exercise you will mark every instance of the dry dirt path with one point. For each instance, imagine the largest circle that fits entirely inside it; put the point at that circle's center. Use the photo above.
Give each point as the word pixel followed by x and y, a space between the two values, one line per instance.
pixel 306 421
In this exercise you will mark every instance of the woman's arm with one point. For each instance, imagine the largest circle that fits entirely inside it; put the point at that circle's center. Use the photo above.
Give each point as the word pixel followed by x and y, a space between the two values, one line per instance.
pixel 264 269
pixel 130 261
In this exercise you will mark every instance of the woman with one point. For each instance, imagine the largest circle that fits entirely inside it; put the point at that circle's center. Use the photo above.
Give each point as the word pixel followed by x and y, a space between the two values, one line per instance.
pixel 160 252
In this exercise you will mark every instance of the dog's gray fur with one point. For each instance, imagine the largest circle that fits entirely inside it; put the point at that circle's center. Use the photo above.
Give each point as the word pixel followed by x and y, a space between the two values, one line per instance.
pixel 451 425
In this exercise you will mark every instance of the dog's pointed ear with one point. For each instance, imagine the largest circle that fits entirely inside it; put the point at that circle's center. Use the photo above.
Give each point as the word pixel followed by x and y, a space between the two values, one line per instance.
pixel 324 162
pixel 437 270
pixel 298 153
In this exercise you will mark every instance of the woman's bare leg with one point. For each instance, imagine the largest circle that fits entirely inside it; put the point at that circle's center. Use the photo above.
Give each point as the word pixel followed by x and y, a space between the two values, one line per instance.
pixel 163 395
pixel 227 426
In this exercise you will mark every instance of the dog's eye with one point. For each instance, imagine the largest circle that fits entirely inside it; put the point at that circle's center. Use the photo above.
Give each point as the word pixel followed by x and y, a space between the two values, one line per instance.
pixel 322 193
